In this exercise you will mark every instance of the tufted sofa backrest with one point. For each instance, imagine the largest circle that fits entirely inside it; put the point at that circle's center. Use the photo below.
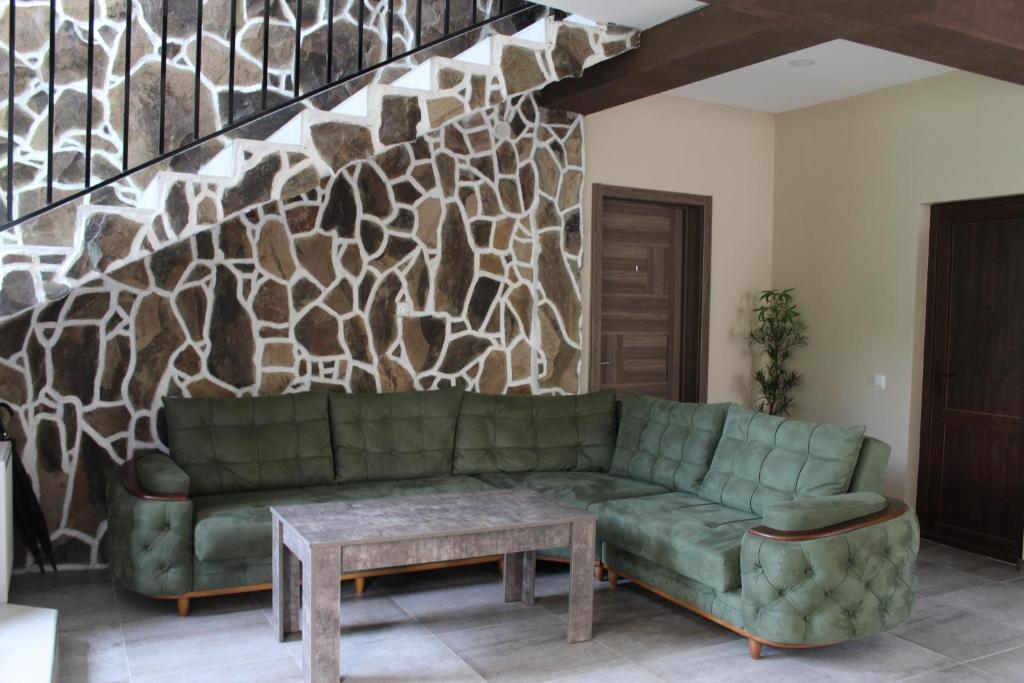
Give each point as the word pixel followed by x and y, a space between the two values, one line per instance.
pixel 765 459
pixel 667 442
pixel 229 445
pixel 394 436
pixel 871 464
pixel 535 433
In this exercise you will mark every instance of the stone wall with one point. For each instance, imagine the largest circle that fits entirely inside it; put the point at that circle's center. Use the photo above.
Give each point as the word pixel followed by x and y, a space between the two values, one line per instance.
pixel 111 31
pixel 454 259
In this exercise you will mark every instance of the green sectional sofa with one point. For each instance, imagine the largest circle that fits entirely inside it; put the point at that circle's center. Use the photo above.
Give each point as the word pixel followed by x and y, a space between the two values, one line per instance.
pixel 774 528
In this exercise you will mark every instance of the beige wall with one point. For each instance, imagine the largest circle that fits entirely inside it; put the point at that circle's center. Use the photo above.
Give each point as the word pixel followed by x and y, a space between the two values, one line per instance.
pixel 668 143
pixel 852 184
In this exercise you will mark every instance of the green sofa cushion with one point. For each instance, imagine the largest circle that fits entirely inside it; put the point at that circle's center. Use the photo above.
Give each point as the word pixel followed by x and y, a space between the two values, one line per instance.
pixel 403 435
pixel 230 445
pixel 580 489
pixel 535 433
pixel 237 525
pixel 667 442
pixel 159 474
pixel 765 459
pixel 679 531
pixel 804 514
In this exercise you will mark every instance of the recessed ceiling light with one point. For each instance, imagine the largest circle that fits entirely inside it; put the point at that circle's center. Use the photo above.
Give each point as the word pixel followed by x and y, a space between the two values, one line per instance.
pixel 801 62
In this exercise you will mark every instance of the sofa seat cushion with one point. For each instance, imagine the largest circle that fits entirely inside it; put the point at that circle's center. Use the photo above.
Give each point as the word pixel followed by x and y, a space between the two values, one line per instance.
pixel 402 435
pixel 580 489
pixel 535 433
pixel 763 459
pixel 232 445
pixel 667 442
pixel 237 525
pixel 681 532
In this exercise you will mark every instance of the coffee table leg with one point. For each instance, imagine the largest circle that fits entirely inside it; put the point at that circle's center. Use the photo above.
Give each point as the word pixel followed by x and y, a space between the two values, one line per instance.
pixel 285 598
pixel 581 581
pixel 321 615
pixel 529 575
pixel 513 577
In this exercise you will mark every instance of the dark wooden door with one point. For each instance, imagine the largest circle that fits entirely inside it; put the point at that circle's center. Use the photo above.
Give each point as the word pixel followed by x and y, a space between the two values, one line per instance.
pixel 649 293
pixel 971 475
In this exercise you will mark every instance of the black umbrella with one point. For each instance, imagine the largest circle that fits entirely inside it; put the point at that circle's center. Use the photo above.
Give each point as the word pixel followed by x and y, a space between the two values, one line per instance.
pixel 28 515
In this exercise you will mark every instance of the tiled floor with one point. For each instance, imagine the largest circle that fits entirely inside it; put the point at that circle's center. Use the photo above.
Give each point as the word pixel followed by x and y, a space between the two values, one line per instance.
pixel 453 626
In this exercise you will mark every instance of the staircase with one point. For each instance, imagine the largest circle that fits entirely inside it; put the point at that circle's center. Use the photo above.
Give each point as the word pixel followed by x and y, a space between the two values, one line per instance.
pixel 292 150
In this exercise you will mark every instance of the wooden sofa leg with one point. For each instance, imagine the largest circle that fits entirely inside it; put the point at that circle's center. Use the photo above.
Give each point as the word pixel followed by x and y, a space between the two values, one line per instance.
pixel 613 579
pixel 183 605
pixel 501 567
pixel 755 648
pixel 360 585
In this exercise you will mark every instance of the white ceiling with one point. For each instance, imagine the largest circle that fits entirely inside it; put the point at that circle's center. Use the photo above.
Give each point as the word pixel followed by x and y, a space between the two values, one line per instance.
pixel 635 13
pixel 841 69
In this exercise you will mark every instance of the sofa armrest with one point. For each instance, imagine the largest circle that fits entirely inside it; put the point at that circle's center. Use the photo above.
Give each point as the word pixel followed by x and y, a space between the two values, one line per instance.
pixel 149 536
pixel 842 581
pixel 824 514
pixel 154 476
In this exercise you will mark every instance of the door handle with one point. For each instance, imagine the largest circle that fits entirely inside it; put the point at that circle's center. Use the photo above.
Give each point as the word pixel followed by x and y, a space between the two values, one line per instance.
pixel 606 362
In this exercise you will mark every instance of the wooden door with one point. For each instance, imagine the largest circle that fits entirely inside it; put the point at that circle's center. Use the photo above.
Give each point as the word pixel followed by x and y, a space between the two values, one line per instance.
pixel 651 254
pixel 971 475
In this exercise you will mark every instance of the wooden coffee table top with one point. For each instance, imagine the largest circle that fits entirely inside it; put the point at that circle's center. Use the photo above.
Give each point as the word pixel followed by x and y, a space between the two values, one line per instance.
pixel 385 520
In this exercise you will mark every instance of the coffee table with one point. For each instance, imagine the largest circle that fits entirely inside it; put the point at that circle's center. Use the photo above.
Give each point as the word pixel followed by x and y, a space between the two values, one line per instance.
pixel 318 542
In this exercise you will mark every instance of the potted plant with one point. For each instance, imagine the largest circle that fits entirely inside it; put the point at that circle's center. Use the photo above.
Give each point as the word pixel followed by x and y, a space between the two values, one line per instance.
pixel 778 332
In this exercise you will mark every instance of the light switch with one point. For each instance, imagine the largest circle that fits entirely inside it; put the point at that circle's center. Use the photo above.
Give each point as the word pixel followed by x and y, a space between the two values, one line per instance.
pixel 403 309
pixel 879 382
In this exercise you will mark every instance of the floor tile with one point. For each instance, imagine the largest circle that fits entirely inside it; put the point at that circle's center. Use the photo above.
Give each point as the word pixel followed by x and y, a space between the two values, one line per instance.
pixel 1000 601
pixel 957 633
pixel 934 579
pixel 972 563
pixel 535 650
pixel 95 655
pixel 278 670
pixel 730 662
pixel 960 673
pixel 881 657
pixel 422 658
pixel 1008 666
pixel 80 605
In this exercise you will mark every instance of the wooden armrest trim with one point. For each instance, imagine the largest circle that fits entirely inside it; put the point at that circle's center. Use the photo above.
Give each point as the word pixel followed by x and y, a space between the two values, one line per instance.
pixel 131 483
pixel 895 508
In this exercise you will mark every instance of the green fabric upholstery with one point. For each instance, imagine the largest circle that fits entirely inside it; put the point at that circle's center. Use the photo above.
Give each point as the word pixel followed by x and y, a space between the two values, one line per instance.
pixel 681 532
pixel 666 442
pixel 726 606
pixel 535 433
pixel 805 514
pixel 236 526
pixel 159 474
pixel 149 542
pixel 765 459
pixel 871 464
pixel 580 489
pixel 404 435
pixel 833 588
pixel 251 444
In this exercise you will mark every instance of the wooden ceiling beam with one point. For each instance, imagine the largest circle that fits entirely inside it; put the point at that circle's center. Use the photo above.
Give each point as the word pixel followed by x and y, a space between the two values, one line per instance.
pixel 684 50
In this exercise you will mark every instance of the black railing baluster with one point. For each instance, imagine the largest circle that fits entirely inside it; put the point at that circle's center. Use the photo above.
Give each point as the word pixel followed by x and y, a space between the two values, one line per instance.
pixel 196 101
pixel 266 53
pixel 474 12
pixel 163 75
pixel 231 62
pixel 419 23
pixel 10 114
pixel 90 61
pixel 391 28
pixel 178 146
pixel 127 85
pixel 330 40
pixel 447 16
pixel 298 46
pixel 359 28
pixel 49 103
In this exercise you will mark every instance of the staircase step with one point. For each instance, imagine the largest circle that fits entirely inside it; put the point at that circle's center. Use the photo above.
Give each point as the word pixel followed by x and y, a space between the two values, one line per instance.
pixel 28 643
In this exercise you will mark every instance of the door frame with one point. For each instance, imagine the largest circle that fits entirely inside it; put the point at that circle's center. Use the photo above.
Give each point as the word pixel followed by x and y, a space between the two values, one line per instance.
pixel 601 192
pixel 938 256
